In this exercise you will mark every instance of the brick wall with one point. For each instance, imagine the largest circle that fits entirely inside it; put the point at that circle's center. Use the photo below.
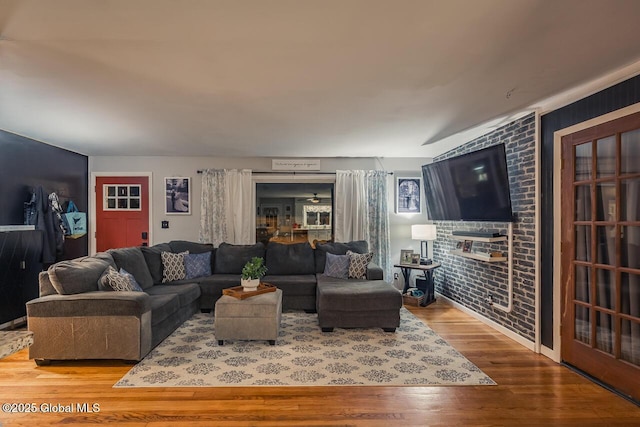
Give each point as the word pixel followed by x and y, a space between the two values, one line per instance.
pixel 469 282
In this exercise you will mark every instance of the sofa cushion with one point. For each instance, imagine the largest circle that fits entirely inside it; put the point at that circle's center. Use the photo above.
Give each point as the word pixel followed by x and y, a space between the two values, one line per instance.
pixel 45 285
pixel 294 258
pixel 337 266
pixel 293 284
pixel 154 261
pixel 77 276
pixel 113 280
pixel 358 295
pixel 197 265
pixel 173 266
pixel 106 256
pixel 163 306
pixel 178 246
pixel 132 260
pixel 358 264
pixel 337 248
pixel 187 293
pixel 230 259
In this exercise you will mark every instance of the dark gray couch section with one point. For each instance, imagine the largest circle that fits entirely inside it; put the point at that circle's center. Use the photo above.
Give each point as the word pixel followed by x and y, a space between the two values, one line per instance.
pixel 337 248
pixel 293 259
pixel 231 258
pixel 153 258
pixel 357 304
pixel 132 260
pixel 134 322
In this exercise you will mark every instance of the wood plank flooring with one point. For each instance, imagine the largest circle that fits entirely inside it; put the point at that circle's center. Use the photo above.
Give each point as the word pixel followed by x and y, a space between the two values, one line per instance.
pixel 532 391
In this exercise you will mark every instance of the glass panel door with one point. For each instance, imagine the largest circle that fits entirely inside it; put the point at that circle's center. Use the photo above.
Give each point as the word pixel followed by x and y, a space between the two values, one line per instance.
pixel 601 252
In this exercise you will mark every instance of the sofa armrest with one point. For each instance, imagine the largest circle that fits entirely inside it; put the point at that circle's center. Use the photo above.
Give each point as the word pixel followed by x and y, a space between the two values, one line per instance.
pixel 374 272
pixel 90 325
pixel 98 303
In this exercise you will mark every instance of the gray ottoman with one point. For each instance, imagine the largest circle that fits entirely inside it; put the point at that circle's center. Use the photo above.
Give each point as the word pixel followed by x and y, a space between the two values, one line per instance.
pixel 357 304
pixel 254 318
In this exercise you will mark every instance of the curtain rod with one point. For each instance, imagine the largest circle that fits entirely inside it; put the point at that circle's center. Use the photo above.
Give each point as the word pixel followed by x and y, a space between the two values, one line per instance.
pixel 294 172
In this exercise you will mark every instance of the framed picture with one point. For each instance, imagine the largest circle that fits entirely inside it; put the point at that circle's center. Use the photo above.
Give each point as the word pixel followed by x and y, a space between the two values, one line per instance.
pixel 406 256
pixel 408 195
pixel 178 195
pixel 459 245
pixel 415 259
pixel 466 247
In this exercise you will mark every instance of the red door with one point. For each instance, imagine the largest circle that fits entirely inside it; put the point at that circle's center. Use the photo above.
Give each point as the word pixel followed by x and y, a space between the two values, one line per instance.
pixel 122 212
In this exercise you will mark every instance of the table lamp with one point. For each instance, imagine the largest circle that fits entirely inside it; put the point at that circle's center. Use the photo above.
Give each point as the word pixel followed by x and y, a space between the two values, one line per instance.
pixel 424 233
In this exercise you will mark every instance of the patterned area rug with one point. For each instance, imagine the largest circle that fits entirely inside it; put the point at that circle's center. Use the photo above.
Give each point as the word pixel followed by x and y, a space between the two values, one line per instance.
pixel 305 356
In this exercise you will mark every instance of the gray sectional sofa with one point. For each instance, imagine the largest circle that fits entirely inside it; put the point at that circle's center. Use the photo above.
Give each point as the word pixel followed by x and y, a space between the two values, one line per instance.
pixel 77 318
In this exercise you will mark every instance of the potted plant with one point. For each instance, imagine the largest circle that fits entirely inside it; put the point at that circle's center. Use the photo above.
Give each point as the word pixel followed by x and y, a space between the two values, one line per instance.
pixel 251 273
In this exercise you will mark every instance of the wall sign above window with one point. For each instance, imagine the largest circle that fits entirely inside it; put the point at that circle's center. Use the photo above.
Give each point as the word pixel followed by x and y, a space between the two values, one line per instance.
pixel 295 164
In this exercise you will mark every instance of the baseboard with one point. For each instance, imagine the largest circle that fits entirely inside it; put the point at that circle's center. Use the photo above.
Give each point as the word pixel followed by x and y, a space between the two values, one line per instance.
pixel 529 345
pixel 550 353
pixel 19 322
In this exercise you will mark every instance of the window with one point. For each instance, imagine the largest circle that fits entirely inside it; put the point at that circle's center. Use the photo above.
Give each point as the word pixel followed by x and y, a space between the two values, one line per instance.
pixel 121 197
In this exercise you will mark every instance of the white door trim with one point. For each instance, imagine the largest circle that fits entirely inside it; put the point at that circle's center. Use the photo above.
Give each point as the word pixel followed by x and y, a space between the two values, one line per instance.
pixel 93 204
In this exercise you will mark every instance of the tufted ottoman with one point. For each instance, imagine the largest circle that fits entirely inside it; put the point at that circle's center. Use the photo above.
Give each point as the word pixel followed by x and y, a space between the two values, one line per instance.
pixel 254 318
pixel 357 304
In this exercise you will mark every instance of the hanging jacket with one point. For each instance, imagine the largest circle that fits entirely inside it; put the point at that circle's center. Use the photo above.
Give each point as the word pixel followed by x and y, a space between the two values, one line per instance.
pixel 43 218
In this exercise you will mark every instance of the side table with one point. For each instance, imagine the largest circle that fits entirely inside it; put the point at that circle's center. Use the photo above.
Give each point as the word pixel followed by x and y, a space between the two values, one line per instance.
pixel 427 271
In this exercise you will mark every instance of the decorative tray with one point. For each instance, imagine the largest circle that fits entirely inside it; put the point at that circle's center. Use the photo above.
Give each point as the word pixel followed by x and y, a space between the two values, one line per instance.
pixel 240 293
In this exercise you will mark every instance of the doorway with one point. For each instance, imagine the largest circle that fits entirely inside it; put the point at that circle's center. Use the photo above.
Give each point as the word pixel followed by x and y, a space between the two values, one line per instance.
pixel 294 212
pixel 122 214
pixel 600 261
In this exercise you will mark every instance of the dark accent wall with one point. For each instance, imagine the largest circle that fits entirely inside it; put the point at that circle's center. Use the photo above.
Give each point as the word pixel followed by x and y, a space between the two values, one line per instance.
pixel 25 164
pixel 613 98
pixel 467 281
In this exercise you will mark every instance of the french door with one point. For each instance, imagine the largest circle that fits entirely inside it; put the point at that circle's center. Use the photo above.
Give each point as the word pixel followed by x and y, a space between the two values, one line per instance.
pixel 601 252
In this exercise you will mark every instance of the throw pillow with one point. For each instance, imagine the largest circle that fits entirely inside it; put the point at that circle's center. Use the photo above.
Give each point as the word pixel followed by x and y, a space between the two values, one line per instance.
pixel 197 265
pixel 173 266
pixel 358 264
pixel 337 266
pixel 111 279
pixel 132 260
pixel 132 280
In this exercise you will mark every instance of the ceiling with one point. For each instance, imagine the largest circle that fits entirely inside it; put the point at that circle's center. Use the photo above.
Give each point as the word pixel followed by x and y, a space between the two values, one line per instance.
pixel 289 78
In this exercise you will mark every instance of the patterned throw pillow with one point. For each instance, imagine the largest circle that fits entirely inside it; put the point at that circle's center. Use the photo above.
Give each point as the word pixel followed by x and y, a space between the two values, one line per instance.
pixel 132 280
pixel 173 266
pixel 358 264
pixel 111 279
pixel 197 265
pixel 337 266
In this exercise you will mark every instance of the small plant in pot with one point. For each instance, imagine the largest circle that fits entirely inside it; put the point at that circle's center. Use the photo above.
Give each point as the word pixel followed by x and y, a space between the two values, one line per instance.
pixel 251 273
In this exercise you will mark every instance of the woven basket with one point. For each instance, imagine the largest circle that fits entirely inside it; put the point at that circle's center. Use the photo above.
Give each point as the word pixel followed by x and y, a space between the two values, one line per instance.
pixel 411 300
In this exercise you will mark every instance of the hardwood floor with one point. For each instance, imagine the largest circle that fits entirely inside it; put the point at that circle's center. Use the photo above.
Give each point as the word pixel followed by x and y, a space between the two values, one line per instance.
pixel 532 391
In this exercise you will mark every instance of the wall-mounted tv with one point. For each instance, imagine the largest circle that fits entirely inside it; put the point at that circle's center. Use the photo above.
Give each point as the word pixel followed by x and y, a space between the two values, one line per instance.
pixel 469 187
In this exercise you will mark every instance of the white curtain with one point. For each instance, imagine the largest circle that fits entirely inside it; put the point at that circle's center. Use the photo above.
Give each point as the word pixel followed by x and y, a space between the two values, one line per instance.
pixel 227 207
pixel 362 212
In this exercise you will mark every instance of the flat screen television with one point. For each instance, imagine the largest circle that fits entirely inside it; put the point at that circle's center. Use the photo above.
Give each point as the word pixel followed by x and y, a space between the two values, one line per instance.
pixel 469 187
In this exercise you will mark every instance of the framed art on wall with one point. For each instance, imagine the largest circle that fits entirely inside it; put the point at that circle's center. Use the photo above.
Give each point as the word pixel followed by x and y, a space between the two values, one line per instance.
pixel 178 195
pixel 408 195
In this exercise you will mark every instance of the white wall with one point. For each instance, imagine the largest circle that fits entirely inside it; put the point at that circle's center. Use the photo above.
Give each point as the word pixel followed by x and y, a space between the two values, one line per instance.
pixel 185 227
pixel 400 224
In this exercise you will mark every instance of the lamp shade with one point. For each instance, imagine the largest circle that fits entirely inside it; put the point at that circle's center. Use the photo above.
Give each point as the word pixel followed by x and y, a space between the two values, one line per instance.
pixel 423 232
